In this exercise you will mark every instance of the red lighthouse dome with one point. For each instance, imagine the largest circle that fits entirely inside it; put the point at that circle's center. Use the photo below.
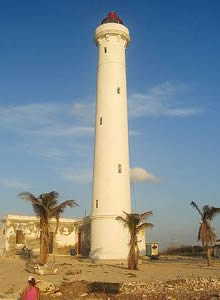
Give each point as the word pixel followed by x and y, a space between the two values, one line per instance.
pixel 112 18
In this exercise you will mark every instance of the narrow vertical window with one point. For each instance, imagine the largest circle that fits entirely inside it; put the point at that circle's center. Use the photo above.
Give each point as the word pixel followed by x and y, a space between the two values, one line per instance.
pixel 100 121
pixel 105 49
pixel 97 203
pixel 118 90
pixel 119 168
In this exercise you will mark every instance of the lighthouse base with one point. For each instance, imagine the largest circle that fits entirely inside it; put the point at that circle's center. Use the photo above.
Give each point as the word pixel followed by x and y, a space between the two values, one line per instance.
pixel 109 239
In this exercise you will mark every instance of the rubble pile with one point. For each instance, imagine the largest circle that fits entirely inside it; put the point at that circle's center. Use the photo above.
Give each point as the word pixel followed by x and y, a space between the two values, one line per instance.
pixel 174 289
pixel 179 289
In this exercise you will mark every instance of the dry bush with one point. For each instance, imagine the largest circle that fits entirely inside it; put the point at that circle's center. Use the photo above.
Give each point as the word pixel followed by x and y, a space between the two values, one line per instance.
pixel 184 250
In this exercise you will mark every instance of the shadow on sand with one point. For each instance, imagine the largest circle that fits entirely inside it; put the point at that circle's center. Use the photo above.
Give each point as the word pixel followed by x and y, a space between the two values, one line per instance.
pixel 104 287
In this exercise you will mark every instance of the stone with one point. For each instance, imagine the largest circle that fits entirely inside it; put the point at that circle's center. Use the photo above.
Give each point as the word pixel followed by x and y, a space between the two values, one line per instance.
pixel 57 294
pixel 41 270
pixel 46 287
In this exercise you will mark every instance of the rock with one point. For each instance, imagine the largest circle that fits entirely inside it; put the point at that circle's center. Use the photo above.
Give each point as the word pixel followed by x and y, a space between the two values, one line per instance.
pixel 41 270
pixel 84 295
pixel 46 287
pixel 57 294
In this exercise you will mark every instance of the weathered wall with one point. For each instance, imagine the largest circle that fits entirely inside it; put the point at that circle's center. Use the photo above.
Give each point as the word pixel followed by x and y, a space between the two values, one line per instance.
pixel 142 243
pixel 2 242
pixel 63 241
pixel 30 229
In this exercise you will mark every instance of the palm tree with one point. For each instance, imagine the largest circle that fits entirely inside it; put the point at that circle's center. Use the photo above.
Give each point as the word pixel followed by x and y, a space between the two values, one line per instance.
pixel 46 207
pixel 134 223
pixel 206 234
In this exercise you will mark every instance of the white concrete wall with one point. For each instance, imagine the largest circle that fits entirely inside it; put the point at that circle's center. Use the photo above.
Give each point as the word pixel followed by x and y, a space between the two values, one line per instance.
pixel 110 188
pixel 65 237
pixel 142 243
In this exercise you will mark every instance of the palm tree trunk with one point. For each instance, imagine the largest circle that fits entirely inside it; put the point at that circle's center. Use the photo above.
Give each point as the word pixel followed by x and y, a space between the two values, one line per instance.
pixel 208 253
pixel 44 244
pixel 137 252
pixel 132 265
pixel 131 259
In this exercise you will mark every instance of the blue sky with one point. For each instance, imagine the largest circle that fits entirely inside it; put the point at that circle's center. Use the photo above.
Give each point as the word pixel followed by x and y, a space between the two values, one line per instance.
pixel 47 101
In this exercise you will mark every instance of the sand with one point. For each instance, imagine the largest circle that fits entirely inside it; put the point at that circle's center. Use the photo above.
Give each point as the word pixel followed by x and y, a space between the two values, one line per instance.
pixel 13 275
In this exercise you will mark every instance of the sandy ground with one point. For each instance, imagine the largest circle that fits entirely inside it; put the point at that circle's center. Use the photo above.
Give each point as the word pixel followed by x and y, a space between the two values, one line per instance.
pixel 13 275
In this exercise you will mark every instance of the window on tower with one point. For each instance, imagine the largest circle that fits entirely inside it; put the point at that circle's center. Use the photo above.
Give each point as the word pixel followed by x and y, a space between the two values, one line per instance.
pixel 118 90
pixel 119 168
pixel 105 49
pixel 100 121
pixel 96 203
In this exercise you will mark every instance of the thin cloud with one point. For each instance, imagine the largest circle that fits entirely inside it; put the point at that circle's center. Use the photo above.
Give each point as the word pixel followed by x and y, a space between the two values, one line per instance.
pixel 83 176
pixel 84 111
pixel 142 175
pixel 65 131
pixel 50 128
pixel 77 119
pixel 28 115
pixel 162 100
pixel 78 176
pixel 14 184
pixel 166 99
pixel 44 120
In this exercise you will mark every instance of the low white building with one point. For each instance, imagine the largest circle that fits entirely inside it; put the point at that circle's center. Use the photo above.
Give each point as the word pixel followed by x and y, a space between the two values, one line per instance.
pixel 73 236
pixel 17 232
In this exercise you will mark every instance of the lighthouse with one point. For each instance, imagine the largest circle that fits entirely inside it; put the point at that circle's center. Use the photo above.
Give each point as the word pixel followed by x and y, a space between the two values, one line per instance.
pixel 111 173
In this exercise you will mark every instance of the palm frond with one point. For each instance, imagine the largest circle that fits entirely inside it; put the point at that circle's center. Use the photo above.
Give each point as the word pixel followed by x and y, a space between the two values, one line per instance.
pixel 145 215
pixel 49 195
pixel 144 226
pixel 66 203
pixel 38 210
pixel 132 220
pixel 216 211
pixel 196 207
pixel 54 195
pixel 127 214
pixel 210 212
pixel 27 196
pixel 122 220
pixel 49 199
pixel 60 208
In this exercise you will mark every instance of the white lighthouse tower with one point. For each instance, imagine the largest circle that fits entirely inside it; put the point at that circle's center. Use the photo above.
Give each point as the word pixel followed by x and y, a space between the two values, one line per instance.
pixel 111 179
